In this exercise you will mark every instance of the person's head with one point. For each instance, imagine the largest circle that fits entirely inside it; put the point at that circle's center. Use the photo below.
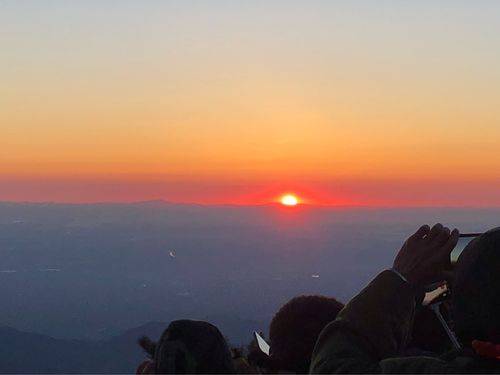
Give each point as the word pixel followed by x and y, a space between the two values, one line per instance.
pixel 476 290
pixel 295 329
pixel 189 347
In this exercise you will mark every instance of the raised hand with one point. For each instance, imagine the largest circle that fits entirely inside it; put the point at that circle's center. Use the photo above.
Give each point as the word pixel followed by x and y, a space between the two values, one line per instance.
pixel 426 254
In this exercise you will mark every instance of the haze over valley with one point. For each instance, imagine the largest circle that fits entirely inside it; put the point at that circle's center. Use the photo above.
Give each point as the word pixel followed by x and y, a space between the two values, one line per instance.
pixel 93 271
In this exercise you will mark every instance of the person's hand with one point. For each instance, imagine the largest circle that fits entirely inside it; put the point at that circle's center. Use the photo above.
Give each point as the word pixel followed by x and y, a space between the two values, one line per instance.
pixel 426 254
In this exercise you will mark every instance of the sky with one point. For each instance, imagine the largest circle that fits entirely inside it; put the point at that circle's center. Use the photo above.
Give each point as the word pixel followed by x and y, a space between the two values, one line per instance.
pixel 391 103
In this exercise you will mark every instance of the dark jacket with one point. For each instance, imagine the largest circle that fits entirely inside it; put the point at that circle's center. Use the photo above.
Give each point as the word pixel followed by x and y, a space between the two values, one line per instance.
pixel 373 329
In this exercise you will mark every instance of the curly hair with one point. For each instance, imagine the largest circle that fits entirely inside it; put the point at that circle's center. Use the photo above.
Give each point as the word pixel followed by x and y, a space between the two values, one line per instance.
pixel 295 329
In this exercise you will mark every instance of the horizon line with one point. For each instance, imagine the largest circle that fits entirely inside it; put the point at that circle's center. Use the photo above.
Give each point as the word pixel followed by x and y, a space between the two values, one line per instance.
pixel 269 204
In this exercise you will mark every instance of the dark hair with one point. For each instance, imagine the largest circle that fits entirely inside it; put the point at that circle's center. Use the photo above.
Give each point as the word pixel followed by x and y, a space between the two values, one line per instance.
pixel 189 346
pixel 476 290
pixel 295 329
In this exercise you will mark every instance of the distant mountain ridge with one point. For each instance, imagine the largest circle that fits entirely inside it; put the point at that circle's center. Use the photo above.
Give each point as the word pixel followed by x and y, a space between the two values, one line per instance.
pixel 26 352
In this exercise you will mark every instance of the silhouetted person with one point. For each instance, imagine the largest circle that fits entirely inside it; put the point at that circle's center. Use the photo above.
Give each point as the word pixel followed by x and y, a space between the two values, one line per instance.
pixel 476 291
pixel 242 364
pixel 295 329
pixel 188 347
pixel 372 330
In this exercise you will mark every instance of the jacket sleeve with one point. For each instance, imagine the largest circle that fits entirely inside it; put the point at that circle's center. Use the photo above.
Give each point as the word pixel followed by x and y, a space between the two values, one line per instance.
pixel 371 331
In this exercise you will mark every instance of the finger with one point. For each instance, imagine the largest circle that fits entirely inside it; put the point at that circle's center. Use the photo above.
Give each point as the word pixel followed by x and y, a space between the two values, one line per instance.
pixel 442 254
pixel 443 236
pixel 434 232
pixel 420 233
pixel 452 241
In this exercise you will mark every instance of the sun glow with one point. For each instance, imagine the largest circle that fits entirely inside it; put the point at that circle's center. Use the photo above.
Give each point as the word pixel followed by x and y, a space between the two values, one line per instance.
pixel 289 200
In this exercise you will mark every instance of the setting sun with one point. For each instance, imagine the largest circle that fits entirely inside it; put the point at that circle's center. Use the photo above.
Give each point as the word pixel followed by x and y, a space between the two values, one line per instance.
pixel 289 200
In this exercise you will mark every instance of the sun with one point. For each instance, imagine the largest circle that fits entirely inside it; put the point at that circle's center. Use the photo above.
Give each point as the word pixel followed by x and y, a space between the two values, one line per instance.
pixel 289 200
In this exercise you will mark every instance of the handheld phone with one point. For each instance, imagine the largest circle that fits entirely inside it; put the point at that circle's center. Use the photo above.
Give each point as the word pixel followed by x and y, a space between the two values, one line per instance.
pixel 263 345
pixel 463 241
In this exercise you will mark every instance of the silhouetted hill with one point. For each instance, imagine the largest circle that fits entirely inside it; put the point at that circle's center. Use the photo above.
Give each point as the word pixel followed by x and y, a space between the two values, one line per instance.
pixel 123 352
pixel 25 352
pixel 33 353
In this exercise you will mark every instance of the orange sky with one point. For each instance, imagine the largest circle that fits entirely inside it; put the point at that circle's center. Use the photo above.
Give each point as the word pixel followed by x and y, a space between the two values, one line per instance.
pixel 227 103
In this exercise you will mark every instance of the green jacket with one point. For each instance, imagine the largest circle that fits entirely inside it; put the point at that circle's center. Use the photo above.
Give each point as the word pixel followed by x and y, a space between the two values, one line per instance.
pixel 373 329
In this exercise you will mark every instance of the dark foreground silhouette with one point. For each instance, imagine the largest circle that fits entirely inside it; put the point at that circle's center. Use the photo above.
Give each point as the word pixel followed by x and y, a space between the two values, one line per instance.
pixel 372 331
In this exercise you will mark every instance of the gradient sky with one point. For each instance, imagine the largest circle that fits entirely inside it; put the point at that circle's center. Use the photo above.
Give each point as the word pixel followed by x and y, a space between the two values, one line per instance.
pixel 342 102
